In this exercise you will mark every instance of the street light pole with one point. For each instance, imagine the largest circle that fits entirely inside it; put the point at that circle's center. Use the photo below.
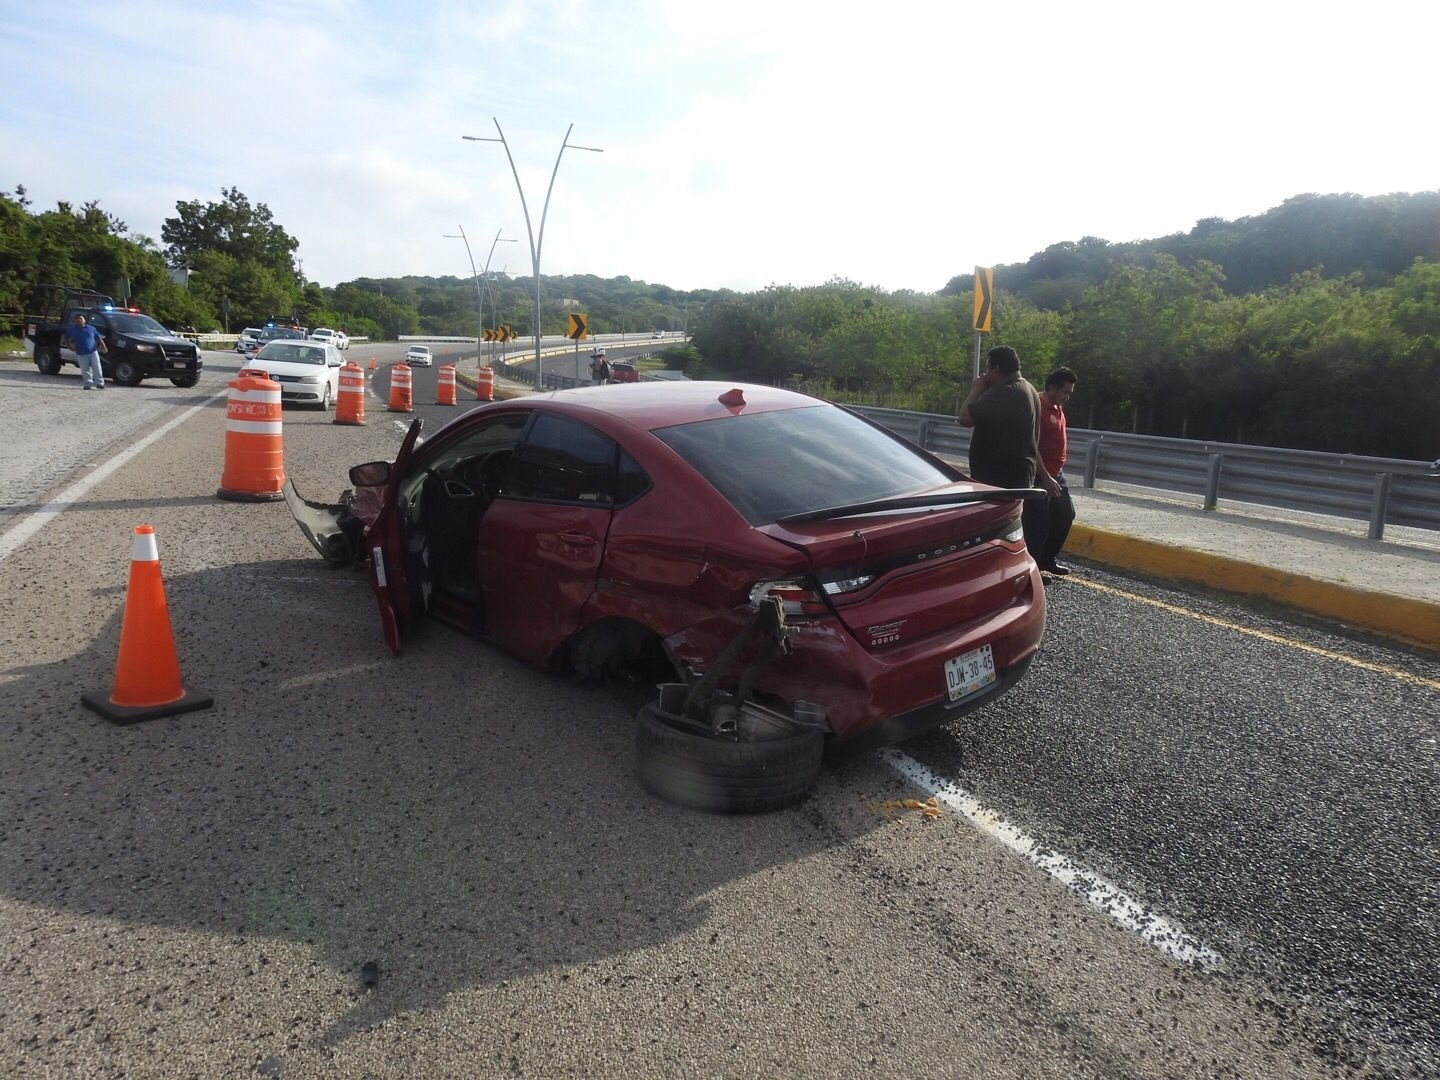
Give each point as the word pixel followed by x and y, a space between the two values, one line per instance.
pixel 535 241
pixel 494 307
pixel 479 294
pixel 479 277
pixel 494 300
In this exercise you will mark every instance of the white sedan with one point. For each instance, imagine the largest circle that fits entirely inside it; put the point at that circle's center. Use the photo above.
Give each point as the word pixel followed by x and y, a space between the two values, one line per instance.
pixel 330 337
pixel 308 371
pixel 418 356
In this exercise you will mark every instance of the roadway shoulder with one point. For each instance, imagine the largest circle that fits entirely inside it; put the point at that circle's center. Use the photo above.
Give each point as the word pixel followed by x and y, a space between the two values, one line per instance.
pixel 1406 618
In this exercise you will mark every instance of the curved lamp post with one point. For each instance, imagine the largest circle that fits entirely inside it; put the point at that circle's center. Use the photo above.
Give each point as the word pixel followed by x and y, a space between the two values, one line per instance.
pixel 483 275
pixel 479 295
pixel 535 241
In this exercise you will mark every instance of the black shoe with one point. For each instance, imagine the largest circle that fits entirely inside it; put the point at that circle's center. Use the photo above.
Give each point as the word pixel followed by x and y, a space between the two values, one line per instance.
pixel 1058 569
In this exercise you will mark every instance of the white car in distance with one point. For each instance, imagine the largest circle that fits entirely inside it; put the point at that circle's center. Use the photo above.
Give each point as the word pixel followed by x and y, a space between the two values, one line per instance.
pixel 418 356
pixel 330 337
pixel 308 371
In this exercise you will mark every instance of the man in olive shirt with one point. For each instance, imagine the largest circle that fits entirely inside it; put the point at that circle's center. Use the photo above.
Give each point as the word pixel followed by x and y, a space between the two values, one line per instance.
pixel 1004 410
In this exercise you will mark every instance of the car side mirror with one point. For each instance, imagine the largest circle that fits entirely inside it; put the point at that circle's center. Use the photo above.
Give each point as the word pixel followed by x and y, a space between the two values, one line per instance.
pixel 371 474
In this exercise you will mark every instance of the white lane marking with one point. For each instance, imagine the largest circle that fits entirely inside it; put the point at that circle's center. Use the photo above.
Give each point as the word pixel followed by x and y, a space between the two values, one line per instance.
pixel 403 425
pixel 43 515
pixel 1101 894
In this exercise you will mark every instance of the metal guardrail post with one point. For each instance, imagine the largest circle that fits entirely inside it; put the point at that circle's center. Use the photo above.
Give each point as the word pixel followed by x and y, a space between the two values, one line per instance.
pixel 1212 480
pixel 1092 461
pixel 922 437
pixel 1378 505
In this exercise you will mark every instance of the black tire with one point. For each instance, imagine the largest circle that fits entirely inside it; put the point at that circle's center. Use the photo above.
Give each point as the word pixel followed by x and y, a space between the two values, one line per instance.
pixel 186 381
pixel 723 777
pixel 47 359
pixel 127 374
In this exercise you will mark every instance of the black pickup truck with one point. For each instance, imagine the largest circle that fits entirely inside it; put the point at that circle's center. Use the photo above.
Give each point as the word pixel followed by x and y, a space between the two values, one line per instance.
pixel 137 346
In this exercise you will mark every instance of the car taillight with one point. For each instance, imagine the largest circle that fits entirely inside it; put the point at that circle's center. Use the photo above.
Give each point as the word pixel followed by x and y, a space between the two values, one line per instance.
pixel 841 586
pixel 796 595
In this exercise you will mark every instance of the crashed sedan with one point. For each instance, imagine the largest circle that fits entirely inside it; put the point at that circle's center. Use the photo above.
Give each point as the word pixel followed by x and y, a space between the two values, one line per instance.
pixel 802 576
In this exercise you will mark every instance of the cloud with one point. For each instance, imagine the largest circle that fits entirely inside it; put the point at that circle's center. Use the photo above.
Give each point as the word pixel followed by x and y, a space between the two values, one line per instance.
pixel 743 144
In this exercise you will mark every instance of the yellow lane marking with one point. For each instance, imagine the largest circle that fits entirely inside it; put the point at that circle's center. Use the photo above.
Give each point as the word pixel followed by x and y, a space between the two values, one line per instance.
pixel 1383 669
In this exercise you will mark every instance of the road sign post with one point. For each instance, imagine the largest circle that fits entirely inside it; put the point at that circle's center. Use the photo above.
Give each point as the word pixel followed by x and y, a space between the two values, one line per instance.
pixel 984 304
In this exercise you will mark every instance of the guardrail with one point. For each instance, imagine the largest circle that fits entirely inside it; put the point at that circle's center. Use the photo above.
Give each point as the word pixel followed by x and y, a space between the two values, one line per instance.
pixel 1378 490
pixel 550 380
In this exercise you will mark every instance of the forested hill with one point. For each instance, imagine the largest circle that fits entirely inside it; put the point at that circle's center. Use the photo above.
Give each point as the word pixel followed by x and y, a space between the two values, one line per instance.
pixel 1376 237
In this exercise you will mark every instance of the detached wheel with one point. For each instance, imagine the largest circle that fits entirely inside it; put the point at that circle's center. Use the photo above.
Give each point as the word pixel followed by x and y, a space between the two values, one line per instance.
pixel 724 777
pixel 186 381
pixel 47 359
pixel 127 374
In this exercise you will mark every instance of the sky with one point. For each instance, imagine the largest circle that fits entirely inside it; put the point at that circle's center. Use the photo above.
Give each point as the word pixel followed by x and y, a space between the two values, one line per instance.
pixel 743 144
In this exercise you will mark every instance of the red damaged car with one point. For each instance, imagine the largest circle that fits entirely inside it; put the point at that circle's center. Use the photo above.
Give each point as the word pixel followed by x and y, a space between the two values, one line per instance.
pixel 808 576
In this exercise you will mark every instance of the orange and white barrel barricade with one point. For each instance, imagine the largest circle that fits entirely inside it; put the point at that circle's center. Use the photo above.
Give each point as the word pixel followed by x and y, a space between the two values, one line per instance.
pixel 445 385
pixel 485 385
pixel 254 443
pixel 350 409
pixel 401 397
pixel 147 672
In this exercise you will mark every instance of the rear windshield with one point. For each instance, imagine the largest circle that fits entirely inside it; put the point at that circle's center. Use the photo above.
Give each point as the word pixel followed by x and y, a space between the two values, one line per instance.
pixel 774 464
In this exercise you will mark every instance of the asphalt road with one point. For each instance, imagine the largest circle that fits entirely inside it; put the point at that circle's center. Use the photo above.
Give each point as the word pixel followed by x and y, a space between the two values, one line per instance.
pixel 197 895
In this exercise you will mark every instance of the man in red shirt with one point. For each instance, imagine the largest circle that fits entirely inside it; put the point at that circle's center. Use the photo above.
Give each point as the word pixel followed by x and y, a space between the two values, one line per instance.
pixel 1053 526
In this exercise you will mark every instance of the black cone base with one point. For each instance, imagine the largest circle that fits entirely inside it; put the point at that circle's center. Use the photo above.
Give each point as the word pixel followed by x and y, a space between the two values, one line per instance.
pixel 99 701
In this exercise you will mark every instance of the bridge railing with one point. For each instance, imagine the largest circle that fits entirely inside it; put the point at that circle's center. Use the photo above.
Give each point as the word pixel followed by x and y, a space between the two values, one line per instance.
pixel 1380 491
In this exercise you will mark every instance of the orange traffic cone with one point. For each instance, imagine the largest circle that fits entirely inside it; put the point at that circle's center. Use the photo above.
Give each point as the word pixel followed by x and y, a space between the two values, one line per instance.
pixel 350 409
pixel 445 385
pixel 254 468
pixel 402 398
pixel 147 674
pixel 372 363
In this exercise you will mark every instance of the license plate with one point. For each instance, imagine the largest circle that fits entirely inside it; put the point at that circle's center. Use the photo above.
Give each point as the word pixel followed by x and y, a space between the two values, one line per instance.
pixel 964 675
pixel 177 363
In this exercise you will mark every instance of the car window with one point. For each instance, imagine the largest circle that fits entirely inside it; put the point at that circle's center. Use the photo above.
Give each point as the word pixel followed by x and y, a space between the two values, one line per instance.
pixel 295 354
pixel 774 464
pixel 563 460
pixel 630 480
pixel 477 443
pixel 137 324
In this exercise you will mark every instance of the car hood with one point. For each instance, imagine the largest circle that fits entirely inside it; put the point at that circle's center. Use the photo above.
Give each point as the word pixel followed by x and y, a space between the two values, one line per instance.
pixel 151 339
pixel 288 367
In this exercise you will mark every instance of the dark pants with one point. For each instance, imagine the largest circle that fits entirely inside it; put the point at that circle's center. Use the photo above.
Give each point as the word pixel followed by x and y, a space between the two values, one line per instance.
pixel 1047 524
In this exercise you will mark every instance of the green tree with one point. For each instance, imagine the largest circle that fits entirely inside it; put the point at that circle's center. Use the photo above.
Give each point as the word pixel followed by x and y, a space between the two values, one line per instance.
pixel 232 227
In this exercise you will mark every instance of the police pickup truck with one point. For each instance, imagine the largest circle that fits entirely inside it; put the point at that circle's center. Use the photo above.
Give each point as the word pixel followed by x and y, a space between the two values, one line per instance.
pixel 137 347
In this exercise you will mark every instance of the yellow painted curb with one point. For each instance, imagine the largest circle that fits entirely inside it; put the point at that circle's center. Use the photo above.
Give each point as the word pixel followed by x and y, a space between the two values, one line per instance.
pixel 1413 621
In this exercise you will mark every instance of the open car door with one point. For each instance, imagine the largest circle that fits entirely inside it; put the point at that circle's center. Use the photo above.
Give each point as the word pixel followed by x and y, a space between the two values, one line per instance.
pixel 385 549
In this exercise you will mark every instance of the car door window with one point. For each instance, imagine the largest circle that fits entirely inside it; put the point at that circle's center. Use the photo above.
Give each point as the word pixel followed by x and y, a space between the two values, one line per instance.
pixel 563 460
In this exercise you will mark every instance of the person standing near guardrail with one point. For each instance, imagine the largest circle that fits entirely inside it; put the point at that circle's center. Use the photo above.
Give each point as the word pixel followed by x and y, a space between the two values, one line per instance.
pixel 88 345
pixel 1054 525
pixel 1004 410
pixel 599 368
